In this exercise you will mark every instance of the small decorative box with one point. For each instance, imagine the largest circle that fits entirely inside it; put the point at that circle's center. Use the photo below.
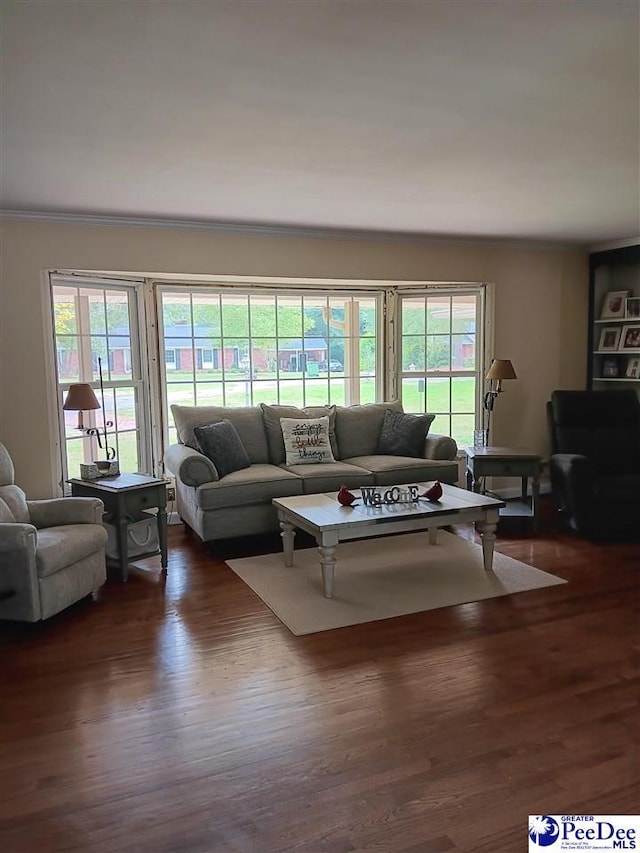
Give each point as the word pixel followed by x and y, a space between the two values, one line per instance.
pixel 99 469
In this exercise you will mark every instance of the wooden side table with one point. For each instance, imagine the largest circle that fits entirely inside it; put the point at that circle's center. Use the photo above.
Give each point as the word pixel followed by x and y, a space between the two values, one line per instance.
pixel 507 462
pixel 125 497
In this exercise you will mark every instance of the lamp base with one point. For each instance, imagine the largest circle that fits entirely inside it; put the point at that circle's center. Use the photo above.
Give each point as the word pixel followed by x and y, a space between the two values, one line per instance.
pixel 98 469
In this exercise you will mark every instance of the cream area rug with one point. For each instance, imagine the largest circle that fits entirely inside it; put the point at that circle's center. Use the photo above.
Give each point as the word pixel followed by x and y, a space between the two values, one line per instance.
pixel 381 578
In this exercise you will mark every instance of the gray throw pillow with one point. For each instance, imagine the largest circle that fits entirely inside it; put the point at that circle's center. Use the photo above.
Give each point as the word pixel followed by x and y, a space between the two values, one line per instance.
pixel 221 443
pixel 403 435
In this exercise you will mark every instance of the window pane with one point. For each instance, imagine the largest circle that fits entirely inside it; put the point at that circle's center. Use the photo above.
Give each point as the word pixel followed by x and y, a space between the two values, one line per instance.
pixel 413 395
pixel 441 425
pixel 367 356
pixel 176 314
pixel 290 393
pixel 464 352
pixel 181 393
pixel 413 316
pixel 438 352
pixel 316 392
pixel 210 394
pixel 463 394
pixel 413 353
pixel 462 429
pixel 337 392
pixel 367 391
pixel 64 311
pixel 438 397
pixel 438 314
pixel 117 314
pixel 68 359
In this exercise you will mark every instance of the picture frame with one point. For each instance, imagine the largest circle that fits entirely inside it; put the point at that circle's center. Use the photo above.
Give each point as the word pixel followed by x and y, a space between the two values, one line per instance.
pixel 630 337
pixel 610 368
pixel 633 368
pixel 632 308
pixel 614 305
pixel 609 339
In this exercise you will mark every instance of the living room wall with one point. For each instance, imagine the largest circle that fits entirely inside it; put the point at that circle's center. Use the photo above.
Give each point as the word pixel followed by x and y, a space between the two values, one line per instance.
pixel 540 315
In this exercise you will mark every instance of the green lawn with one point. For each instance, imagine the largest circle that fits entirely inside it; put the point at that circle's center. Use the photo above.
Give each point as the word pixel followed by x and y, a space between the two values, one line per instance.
pixel 435 398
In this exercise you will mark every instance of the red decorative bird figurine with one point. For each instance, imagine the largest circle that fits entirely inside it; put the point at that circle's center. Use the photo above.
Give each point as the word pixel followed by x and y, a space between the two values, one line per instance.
pixel 434 493
pixel 345 497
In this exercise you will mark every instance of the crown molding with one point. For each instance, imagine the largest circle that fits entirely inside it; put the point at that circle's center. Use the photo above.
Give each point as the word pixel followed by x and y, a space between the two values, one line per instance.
pixel 265 230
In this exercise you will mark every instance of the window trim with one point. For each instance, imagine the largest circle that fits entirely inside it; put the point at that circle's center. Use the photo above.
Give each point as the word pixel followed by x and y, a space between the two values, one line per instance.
pixel 484 336
pixel 139 365
pixel 154 418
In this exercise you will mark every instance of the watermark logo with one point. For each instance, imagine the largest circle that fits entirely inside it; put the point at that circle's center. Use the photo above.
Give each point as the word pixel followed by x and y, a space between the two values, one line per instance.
pixel 583 832
pixel 543 830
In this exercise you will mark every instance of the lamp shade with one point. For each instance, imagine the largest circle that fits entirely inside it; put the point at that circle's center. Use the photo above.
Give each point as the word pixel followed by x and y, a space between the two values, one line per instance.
pixel 501 368
pixel 80 398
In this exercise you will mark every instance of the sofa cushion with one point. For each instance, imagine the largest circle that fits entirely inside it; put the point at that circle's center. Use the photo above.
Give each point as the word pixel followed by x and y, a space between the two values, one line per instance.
pixel 358 427
pixel 396 470
pixel 60 547
pixel 273 429
pixel 403 435
pixel 246 419
pixel 306 441
pixel 221 444
pixel 330 476
pixel 254 485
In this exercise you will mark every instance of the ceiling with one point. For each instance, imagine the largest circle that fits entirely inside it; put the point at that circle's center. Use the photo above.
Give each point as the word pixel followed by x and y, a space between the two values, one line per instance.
pixel 500 118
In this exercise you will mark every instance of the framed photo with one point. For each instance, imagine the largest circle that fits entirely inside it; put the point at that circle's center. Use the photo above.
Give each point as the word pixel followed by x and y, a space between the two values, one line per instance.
pixel 633 368
pixel 614 305
pixel 632 309
pixel 609 338
pixel 630 338
pixel 610 368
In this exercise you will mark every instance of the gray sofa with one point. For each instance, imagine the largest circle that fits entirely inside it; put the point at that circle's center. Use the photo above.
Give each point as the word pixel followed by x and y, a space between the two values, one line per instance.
pixel 240 502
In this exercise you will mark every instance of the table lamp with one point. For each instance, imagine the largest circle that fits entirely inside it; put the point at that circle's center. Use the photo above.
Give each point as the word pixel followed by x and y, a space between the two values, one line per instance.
pixel 80 398
pixel 501 368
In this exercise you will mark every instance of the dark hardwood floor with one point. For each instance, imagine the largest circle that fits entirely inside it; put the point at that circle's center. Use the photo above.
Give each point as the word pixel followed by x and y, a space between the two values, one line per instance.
pixel 188 719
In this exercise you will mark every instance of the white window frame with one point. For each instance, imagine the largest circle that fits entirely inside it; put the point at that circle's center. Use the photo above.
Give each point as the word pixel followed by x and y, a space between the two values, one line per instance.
pixel 139 363
pixel 154 419
pixel 484 336
pixel 292 289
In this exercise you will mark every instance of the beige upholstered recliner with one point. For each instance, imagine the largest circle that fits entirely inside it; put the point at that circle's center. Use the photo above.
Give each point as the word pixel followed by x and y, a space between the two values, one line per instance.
pixel 52 552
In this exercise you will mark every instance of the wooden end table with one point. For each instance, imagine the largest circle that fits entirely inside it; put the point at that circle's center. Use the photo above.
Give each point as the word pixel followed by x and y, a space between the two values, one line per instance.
pixel 125 497
pixel 507 462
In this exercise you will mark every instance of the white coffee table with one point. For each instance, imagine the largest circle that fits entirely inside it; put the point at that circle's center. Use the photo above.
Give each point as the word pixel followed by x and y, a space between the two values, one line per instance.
pixel 330 523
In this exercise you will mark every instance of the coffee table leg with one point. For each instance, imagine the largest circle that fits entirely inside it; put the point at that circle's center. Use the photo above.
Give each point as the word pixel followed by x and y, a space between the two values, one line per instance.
pixel 328 565
pixel 288 535
pixel 433 536
pixel 488 535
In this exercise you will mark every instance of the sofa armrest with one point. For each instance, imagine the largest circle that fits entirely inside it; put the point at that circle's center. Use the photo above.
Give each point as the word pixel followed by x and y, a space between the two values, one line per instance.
pixel 439 447
pixel 59 511
pixel 15 536
pixel 18 575
pixel 189 466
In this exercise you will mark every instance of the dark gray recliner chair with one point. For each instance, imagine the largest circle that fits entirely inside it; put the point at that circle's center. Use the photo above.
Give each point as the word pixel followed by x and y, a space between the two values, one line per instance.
pixel 595 461
pixel 52 552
